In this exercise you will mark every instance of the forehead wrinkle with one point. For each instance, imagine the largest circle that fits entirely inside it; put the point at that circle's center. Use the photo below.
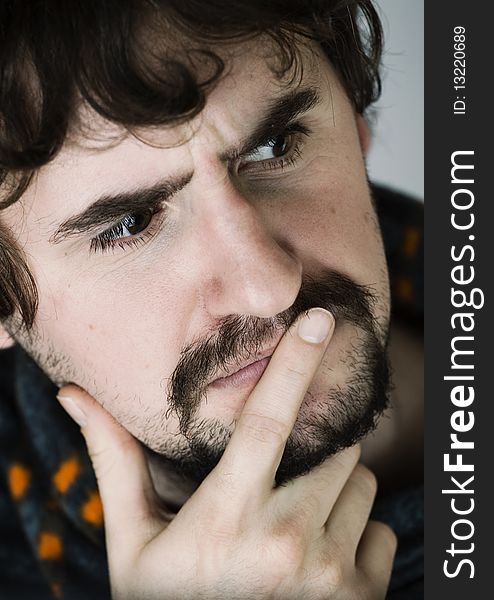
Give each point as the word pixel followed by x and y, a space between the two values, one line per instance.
pixel 70 157
pixel 90 125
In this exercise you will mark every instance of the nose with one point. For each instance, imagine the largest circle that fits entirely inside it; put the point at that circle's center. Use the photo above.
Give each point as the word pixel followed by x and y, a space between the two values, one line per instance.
pixel 248 270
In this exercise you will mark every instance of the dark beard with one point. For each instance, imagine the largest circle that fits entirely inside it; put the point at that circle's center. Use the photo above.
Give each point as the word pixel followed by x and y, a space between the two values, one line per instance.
pixel 343 416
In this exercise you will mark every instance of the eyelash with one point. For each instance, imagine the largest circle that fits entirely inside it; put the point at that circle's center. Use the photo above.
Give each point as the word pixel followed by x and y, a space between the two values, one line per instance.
pixel 297 131
pixel 110 238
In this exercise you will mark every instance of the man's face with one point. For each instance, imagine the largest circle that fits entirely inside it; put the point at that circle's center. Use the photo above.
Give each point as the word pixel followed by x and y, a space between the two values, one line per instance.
pixel 223 230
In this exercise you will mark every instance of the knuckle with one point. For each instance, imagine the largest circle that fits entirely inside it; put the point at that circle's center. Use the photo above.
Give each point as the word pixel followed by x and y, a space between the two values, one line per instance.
pixel 388 534
pixel 295 372
pixel 288 540
pixel 312 504
pixel 385 531
pixel 347 459
pixel 120 443
pixel 264 429
pixel 106 456
pixel 335 574
pixel 365 480
pixel 364 588
pixel 286 551
pixel 103 460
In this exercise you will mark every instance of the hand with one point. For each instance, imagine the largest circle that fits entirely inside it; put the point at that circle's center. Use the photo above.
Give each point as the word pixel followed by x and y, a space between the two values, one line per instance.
pixel 238 537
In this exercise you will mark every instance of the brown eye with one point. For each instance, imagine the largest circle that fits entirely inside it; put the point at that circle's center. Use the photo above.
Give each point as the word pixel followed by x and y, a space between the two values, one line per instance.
pixel 136 223
pixel 275 153
pixel 281 145
pixel 133 228
pixel 276 147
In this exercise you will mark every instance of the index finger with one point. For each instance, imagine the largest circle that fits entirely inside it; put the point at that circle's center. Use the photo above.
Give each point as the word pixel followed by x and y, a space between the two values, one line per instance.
pixel 267 419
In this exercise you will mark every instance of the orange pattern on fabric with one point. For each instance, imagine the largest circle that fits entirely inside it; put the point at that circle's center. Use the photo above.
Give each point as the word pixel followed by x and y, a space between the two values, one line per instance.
pixel 49 546
pixel 92 510
pixel 404 288
pixel 18 478
pixel 411 238
pixel 66 474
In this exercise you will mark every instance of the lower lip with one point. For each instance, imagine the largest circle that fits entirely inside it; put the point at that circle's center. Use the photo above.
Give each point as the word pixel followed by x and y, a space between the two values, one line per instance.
pixel 249 375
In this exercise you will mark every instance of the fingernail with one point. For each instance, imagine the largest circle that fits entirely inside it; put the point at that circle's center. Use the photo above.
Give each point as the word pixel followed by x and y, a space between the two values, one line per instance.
pixel 316 325
pixel 74 410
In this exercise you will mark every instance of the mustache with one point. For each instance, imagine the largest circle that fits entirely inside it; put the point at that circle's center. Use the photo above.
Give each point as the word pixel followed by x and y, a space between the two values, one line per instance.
pixel 240 337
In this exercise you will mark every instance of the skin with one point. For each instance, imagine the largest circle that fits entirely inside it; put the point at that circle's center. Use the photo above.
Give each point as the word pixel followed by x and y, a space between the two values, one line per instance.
pixel 229 247
pixel 308 539
pixel 232 244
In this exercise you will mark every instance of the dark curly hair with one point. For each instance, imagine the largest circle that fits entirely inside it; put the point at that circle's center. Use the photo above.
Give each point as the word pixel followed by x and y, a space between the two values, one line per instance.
pixel 55 55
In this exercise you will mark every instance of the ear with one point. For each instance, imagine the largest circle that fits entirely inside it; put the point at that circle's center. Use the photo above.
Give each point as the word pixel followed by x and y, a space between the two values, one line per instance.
pixel 6 340
pixel 363 135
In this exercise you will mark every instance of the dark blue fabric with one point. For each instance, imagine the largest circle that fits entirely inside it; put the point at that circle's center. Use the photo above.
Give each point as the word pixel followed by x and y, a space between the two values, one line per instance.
pixel 403 511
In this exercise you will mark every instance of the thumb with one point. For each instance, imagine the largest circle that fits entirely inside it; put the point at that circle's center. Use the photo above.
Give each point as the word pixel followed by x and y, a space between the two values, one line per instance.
pixel 124 481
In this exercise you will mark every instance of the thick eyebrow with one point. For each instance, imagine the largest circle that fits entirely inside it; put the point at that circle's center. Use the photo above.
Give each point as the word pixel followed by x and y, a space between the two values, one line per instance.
pixel 110 208
pixel 280 114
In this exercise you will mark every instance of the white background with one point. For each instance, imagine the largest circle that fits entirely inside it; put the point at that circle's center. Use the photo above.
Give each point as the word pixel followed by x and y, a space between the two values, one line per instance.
pixel 397 151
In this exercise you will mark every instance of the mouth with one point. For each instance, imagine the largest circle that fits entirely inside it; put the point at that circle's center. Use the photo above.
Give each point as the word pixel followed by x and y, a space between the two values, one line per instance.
pixel 246 374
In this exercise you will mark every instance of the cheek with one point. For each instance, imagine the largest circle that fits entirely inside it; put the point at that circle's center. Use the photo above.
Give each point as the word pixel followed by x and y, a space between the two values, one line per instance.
pixel 334 224
pixel 331 223
pixel 122 333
